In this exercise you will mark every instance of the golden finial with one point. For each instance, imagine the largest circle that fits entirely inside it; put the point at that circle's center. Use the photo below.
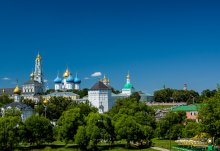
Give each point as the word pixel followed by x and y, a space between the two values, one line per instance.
pixel 38 58
pixel 45 102
pixel 104 79
pixel 66 73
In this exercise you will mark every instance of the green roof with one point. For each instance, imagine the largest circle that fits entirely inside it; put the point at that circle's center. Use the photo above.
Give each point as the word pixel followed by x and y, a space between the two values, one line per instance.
pixel 128 86
pixel 186 108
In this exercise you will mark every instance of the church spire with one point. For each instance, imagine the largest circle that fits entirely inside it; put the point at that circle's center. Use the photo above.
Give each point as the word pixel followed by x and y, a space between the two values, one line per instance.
pixel 128 78
pixel 38 73
pixel 38 58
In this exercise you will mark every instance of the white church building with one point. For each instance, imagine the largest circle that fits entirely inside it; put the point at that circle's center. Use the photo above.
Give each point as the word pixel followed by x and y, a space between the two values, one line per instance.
pixel 67 83
pixel 26 111
pixel 101 96
pixel 35 86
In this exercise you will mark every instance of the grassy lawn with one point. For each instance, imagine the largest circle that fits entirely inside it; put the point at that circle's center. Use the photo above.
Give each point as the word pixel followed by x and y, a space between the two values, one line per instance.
pixel 124 149
pixel 60 146
pixel 70 149
pixel 164 143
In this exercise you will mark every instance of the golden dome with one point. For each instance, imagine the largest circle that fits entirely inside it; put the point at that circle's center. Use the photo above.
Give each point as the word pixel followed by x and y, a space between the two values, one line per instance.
pixel 17 90
pixel 45 101
pixel 66 73
pixel 38 58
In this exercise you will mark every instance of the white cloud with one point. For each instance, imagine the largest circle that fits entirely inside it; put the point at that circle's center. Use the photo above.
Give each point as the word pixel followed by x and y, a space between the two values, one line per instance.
pixel 45 81
pixel 6 79
pixel 96 74
pixel 86 78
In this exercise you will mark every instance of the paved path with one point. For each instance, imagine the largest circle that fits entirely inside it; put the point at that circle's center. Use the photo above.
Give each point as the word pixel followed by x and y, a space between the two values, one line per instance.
pixel 160 149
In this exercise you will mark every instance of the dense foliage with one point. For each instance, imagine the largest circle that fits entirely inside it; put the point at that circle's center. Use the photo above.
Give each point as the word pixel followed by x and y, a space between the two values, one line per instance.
pixel 210 116
pixel 37 130
pixel 171 126
pixel 9 132
pixel 133 120
pixel 4 99
pixel 173 95
pixel 129 120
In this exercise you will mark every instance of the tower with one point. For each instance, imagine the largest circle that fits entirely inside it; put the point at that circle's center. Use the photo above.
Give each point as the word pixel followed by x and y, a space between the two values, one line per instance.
pixel 38 74
pixel 128 87
pixel 100 97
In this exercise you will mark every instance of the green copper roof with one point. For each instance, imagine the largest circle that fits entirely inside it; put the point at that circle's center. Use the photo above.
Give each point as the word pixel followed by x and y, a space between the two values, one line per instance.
pixel 186 108
pixel 128 86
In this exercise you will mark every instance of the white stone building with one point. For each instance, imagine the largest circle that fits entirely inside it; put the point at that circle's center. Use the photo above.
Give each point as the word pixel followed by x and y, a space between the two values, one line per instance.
pixel 100 97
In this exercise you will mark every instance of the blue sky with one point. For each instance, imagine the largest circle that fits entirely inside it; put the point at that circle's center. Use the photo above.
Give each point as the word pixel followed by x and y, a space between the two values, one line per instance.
pixel 159 42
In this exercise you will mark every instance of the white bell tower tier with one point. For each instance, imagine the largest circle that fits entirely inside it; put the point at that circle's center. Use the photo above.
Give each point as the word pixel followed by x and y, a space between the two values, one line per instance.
pixel 38 74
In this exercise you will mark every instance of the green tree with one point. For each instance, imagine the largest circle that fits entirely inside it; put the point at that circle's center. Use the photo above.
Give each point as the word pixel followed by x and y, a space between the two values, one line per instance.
pixel 136 96
pixel 55 107
pixel 186 96
pixel 4 99
pixel 81 138
pixel 191 129
pixel 12 112
pixel 133 120
pixel 209 116
pixel 208 94
pixel 38 130
pixel 127 128
pixel 68 124
pixel 98 128
pixel 9 132
pixel 85 107
pixel 171 125
pixel 163 95
pixel 173 95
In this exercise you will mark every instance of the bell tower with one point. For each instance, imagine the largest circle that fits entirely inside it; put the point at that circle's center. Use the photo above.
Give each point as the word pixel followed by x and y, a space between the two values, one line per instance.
pixel 38 74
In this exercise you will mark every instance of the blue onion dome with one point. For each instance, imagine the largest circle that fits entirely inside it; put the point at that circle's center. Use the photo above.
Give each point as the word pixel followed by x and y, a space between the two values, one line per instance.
pixel 77 80
pixel 58 80
pixel 70 79
pixel 63 81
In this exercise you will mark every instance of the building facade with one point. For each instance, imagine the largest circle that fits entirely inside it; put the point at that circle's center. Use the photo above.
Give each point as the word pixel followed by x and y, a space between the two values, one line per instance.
pixel 26 111
pixel 100 97
pixel 192 111
pixel 35 86
pixel 68 95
